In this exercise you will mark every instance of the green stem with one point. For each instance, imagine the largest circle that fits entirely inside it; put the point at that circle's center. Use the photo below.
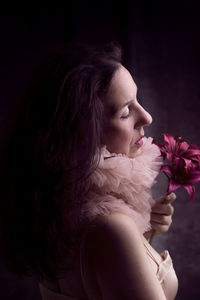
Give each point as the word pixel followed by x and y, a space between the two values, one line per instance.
pixel 151 237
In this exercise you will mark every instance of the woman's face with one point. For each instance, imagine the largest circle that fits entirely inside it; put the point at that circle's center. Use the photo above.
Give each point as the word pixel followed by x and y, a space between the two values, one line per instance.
pixel 125 118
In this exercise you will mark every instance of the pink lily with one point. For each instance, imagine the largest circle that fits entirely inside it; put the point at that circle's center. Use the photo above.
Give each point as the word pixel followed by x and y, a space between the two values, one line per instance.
pixel 177 148
pixel 184 165
pixel 182 176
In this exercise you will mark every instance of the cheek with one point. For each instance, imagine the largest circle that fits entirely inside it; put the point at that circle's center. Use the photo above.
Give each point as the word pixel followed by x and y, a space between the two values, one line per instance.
pixel 118 138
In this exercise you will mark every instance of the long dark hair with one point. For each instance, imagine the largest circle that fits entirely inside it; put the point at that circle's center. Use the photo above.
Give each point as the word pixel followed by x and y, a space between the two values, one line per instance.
pixel 47 154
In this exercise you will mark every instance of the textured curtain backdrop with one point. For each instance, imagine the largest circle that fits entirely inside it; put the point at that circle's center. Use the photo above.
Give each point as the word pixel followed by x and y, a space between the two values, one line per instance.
pixel 161 49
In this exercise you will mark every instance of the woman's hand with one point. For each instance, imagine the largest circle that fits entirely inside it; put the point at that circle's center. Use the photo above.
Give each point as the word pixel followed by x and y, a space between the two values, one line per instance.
pixel 161 215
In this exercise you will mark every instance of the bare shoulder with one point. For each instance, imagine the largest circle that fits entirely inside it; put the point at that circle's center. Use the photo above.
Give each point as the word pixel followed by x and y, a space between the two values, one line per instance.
pixel 115 227
pixel 116 219
pixel 116 252
pixel 115 234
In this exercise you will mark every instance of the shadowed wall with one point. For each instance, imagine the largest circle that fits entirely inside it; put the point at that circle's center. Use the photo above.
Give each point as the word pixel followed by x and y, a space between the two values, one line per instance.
pixel 161 49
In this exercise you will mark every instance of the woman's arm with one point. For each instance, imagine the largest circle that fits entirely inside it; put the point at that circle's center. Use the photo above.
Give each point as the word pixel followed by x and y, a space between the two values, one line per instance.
pixel 121 267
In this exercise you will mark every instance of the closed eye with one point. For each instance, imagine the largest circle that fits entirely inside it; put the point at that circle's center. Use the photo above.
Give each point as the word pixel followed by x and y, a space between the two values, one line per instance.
pixel 126 114
pixel 125 117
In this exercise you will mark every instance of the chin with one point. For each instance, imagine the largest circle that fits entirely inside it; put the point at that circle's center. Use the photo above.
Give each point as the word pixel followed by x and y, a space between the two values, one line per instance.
pixel 134 153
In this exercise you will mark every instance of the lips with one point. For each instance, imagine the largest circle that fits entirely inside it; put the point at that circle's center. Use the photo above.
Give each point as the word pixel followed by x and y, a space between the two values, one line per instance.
pixel 139 142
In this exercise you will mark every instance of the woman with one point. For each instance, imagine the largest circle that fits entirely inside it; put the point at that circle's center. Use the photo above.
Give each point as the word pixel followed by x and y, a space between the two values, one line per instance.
pixel 76 175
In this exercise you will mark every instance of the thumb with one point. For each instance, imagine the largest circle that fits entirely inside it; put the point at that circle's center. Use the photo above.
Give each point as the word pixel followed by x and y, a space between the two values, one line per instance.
pixel 166 199
pixel 170 198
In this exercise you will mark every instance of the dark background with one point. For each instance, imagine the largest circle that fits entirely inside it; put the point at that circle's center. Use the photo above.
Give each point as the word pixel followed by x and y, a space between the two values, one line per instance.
pixel 161 45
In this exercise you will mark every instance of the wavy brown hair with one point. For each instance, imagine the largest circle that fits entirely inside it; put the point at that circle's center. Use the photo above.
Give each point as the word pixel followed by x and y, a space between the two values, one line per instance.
pixel 47 154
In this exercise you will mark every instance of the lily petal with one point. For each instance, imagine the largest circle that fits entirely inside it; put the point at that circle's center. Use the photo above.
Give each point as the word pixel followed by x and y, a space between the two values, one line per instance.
pixel 183 146
pixel 191 190
pixel 193 146
pixel 170 141
pixel 194 177
pixel 172 186
pixel 187 162
pixel 191 152
pixel 167 169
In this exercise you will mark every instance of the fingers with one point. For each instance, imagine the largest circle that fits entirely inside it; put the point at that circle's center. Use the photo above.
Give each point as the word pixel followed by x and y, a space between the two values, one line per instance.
pixel 161 213
pixel 159 228
pixel 165 199
pixel 169 198
pixel 160 223
pixel 161 219
pixel 166 209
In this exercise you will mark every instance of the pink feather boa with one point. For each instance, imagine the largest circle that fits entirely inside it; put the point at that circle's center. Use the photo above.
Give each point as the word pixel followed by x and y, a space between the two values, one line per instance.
pixel 123 184
pixel 120 184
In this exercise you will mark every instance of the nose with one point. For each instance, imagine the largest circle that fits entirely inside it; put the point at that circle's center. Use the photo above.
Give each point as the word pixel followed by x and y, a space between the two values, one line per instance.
pixel 143 118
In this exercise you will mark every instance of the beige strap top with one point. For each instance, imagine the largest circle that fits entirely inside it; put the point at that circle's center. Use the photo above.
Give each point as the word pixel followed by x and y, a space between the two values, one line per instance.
pixel 165 271
pixel 165 274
